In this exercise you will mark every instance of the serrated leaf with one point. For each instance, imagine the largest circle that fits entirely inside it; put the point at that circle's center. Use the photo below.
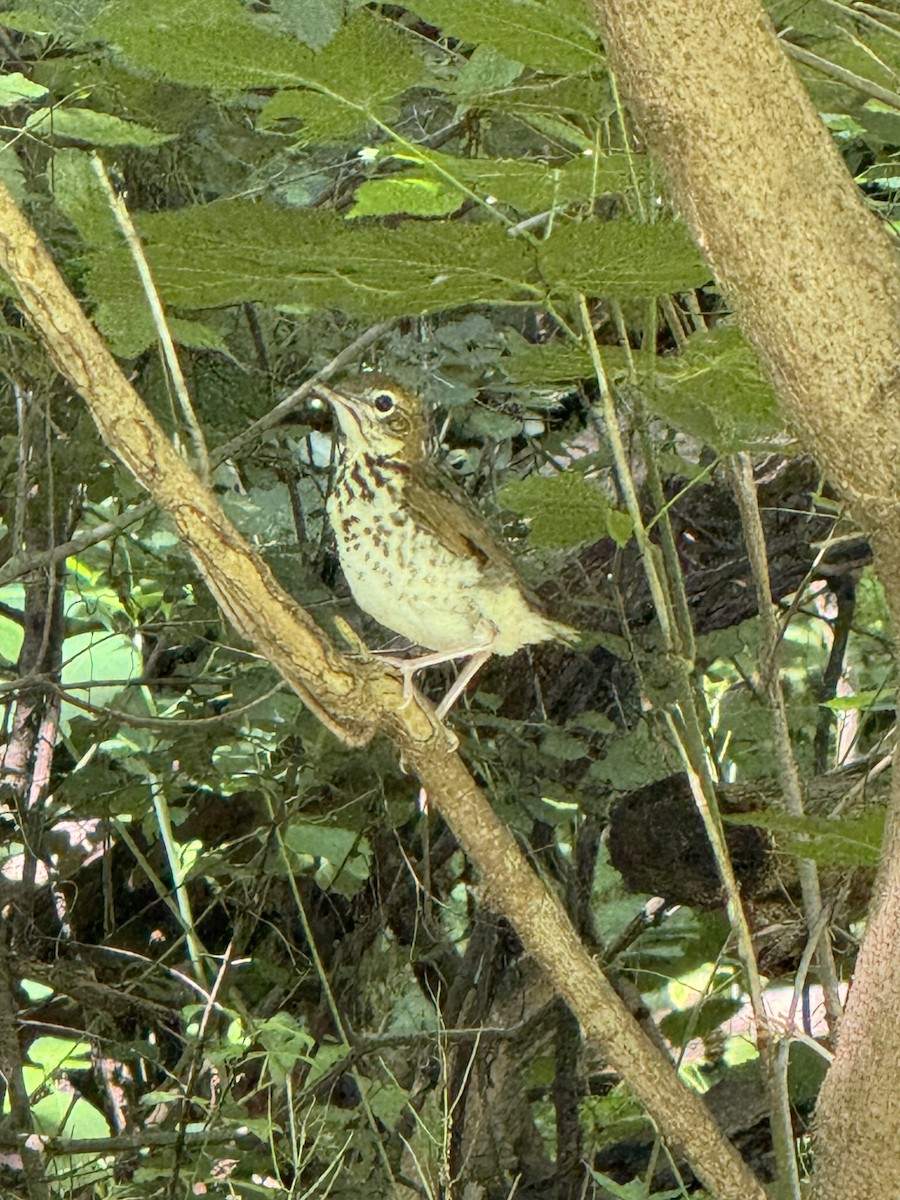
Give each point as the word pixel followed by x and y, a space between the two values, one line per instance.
pixel 56 16
pixel 216 44
pixel 528 364
pixel 314 22
pixel 405 194
pixel 15 88
pixel 486 71
pixel 80 195
pixel 234 251
pixel 622 258
pixel 716 390
pixel 355 79
pixel 563 510
pixel 220 45
pixel 552 37
pixel 527 186
pixel 94 128
pixel 547 363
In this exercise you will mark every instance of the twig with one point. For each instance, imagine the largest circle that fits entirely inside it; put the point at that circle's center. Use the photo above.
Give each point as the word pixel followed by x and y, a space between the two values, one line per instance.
pixel 126 225
pixel 788 774
pixel 25 562
pixel 286 406
pixel 858 82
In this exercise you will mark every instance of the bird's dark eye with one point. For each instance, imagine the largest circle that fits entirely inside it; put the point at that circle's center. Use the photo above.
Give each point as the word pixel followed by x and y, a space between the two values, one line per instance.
pixel 384 403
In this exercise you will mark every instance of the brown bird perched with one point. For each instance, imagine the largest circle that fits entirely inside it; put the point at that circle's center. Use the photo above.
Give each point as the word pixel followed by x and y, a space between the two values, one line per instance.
pixel 415 553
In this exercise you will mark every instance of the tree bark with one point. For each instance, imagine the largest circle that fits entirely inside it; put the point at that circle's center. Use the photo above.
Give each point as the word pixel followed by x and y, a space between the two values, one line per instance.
pixel 815 283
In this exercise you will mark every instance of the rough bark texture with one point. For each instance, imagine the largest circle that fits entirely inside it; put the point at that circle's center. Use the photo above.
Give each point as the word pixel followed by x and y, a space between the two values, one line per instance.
pixel 815 282
pixel 357 701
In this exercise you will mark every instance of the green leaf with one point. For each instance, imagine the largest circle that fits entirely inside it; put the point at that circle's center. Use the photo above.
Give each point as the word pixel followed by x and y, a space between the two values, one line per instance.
pixel 880 700
pixel 13 176
pixel 235 251
pixel 529 365
pixel 58 16
pixel 620 526
pixel 220 45
pixel 405 194
pixel 97 655
pixel 80 195
pixel 847 842
pixel 216 44
pixel 638 757
pixel 551 36
pixel 622 258
pixel 563 746
pixel 564 510
pixel 95 128
pixel 286 1044
pixel 58 1054
pixel 567 110
pixel 324 841
pixel 637 1189
pixel 546 363
pixel 527 186
pixel 486 71
pixel 314 22
pixel 15 88
pixel 716 390
pixel 355 79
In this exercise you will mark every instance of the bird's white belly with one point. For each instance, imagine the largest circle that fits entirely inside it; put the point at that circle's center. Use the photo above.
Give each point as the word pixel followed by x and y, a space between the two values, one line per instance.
pixel 404 577
pixel 408 581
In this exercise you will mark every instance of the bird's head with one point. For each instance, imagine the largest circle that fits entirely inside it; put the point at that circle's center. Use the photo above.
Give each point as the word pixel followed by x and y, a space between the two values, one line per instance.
pixel 378 415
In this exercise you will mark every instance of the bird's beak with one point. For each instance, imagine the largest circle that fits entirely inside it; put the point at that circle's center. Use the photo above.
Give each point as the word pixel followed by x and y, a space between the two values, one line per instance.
pixel 332 395
pixel 343 403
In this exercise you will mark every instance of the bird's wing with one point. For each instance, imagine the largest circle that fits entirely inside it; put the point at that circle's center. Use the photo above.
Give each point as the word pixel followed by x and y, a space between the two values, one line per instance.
pixel 442 508
pixel 439 506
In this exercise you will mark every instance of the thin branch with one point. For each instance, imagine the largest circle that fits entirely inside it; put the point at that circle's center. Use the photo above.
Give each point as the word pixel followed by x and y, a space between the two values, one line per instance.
pixel 859 82
pixel 25 562
pixel 170 355
pixel 241 441
pixel 788 774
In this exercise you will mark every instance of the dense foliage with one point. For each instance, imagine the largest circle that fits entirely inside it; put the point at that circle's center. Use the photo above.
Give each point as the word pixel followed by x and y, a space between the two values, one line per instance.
pixel 244 959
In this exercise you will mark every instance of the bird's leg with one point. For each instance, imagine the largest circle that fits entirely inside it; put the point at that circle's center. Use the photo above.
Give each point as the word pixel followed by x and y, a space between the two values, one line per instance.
pixel 463 679
pixel 409 668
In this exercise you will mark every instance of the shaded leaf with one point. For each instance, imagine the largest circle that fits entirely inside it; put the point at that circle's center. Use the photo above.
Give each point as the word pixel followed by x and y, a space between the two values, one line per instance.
pixel 234 251
pixel 846 842
pixel 716 390
pixel 622 258
pixel 563 510
pixel 551 37
pixel 95 128
pixel 486 70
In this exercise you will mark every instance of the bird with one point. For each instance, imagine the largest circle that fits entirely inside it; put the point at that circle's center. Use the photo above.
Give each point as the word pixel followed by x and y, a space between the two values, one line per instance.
pixel 416 553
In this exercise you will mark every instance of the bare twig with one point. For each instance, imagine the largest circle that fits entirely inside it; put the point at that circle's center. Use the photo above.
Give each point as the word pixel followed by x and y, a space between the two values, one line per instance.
pixel 788 774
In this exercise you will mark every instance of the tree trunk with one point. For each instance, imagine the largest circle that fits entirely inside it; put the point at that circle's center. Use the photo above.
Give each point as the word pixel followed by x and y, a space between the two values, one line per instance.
pixel 816 286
